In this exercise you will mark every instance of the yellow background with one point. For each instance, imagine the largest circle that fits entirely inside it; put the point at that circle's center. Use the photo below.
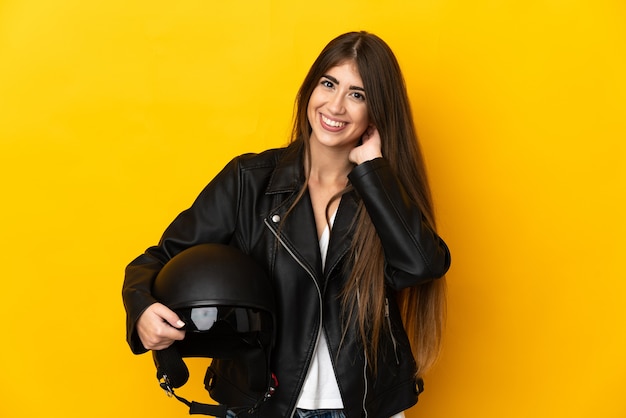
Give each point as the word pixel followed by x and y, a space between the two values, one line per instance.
pixel 113 116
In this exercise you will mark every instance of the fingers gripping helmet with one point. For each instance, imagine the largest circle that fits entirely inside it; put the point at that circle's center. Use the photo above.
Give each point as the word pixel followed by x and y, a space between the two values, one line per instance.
pixel 226 301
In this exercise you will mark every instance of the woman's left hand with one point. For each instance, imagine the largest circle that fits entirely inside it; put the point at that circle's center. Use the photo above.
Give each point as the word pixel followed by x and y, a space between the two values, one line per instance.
pixel 368 149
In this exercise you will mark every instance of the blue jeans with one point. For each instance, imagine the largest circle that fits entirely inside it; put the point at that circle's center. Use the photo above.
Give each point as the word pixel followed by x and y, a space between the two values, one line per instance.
pixel 302 413
pixel 319 413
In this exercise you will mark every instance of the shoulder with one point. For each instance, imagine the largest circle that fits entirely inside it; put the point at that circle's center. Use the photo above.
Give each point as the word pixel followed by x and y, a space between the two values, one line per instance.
pixel 267 159
pixel 280 168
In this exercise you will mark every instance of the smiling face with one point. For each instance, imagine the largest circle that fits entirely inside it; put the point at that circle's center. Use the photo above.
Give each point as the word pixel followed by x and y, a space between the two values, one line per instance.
pixel 337 108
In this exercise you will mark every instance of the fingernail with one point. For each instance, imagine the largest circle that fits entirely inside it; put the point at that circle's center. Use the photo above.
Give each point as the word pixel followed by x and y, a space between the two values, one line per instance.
pixel 180 324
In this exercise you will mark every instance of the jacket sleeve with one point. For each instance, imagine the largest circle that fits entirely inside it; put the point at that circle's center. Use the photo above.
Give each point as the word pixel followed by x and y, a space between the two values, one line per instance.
pixel 211 218
pixel 414 253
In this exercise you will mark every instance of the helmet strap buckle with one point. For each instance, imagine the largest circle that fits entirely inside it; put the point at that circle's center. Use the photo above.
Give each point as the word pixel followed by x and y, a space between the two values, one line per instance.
pixel 164 382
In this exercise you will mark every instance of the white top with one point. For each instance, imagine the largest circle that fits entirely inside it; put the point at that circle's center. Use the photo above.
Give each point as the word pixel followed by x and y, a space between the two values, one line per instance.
pixel 320 390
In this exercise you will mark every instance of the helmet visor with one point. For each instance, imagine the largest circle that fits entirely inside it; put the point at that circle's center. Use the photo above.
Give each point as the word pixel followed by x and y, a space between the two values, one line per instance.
pixel 225 319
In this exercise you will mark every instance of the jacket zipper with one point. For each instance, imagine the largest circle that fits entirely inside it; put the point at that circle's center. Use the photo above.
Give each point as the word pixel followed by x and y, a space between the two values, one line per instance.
pixel 312 275
pixel 393 338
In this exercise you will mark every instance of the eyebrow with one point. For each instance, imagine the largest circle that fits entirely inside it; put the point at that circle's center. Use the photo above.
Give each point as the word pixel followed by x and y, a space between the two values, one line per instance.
pixel 334 80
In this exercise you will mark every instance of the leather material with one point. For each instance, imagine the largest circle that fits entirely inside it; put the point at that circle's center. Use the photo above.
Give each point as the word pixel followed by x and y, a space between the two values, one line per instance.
pixel 246 205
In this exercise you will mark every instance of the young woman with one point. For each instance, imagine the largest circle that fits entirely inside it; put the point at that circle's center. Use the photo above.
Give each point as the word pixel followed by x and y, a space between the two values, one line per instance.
pixel 342 220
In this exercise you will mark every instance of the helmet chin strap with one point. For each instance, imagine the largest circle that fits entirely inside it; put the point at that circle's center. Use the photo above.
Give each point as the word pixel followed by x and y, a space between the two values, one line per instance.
pixel 195 408
pixel 170 361
pixel 219 411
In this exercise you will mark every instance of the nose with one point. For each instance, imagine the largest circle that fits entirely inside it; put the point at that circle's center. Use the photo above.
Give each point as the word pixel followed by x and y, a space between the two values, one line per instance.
pixel 336 104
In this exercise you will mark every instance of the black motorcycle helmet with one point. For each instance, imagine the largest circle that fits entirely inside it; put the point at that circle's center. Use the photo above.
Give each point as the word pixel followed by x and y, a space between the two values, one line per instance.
pixel 227 303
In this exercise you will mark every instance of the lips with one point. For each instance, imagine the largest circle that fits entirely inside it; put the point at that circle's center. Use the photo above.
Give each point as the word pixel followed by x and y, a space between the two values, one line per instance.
pixel 333 124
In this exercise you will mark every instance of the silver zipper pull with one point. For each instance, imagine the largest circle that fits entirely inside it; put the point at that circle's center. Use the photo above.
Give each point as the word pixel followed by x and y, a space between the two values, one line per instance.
pixel 393 337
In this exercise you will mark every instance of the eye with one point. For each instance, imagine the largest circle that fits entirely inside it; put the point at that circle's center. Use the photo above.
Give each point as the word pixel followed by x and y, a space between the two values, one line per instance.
pixel 359 96
pixel 327 83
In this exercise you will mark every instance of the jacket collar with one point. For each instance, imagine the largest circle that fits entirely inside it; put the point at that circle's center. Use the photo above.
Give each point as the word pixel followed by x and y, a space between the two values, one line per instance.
pixel 288 176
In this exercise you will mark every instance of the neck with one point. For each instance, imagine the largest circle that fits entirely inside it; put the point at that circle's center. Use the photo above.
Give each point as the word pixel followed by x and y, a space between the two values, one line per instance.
pixel 329 167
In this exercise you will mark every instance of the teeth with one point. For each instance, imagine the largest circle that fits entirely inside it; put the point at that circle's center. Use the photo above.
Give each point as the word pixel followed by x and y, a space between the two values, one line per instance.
pixel 332 123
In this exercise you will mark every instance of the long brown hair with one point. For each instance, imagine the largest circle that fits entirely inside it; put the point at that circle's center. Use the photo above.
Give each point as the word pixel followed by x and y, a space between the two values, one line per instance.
pixel 422 307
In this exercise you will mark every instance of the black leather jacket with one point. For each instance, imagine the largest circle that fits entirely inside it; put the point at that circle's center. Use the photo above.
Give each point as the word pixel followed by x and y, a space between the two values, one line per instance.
pixel 243 206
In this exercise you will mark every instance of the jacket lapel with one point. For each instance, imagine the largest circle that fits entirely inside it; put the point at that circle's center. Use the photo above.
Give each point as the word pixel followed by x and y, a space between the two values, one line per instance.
pixel 297 231
pixel 342 231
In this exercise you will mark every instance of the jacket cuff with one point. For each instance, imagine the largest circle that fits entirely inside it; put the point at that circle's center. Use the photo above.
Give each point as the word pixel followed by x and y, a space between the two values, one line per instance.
pixel 367 167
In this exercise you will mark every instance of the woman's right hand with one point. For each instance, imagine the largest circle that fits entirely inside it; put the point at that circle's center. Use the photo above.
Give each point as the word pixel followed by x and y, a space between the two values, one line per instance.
pixel 158 327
